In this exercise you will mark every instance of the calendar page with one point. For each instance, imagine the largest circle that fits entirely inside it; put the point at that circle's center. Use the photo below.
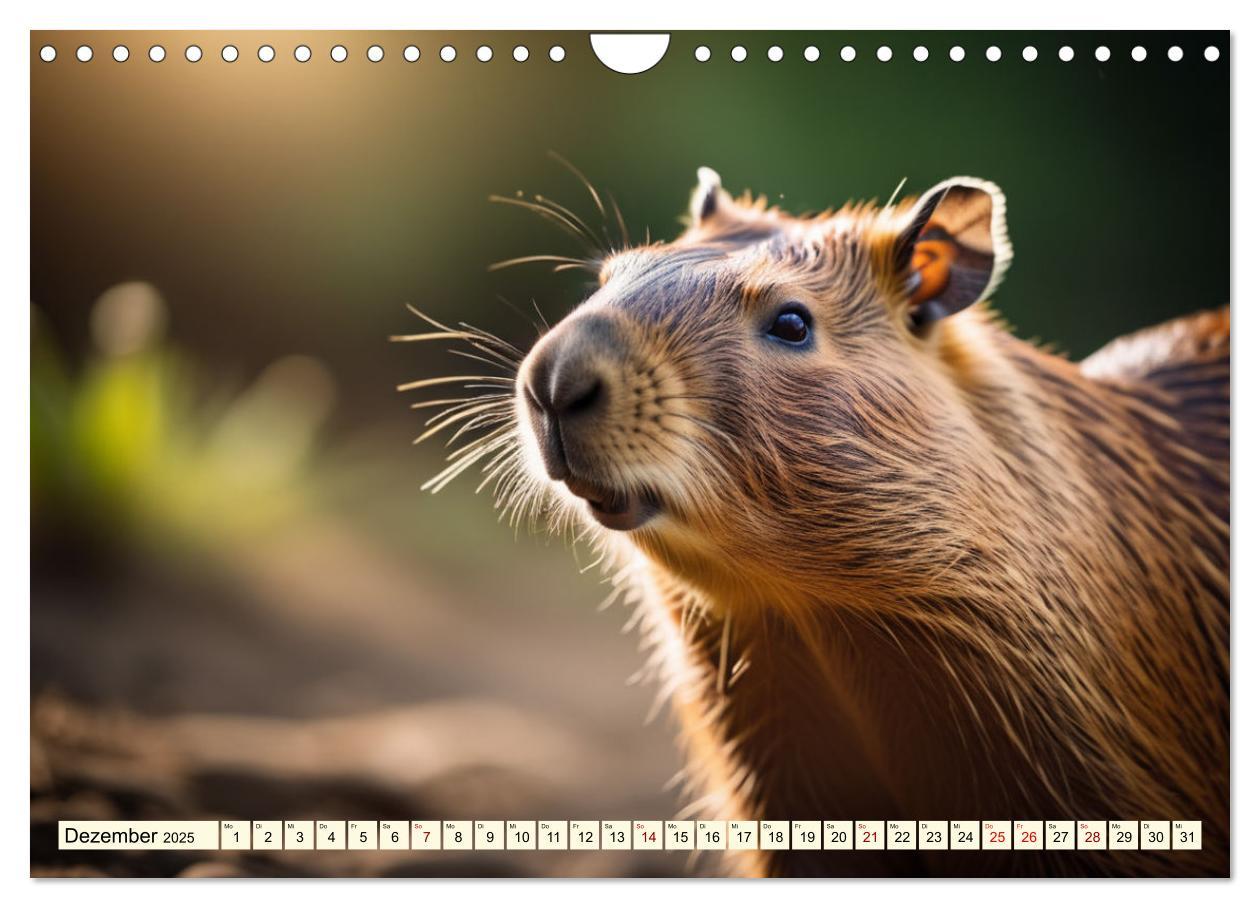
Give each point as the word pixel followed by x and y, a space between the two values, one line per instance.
pixel 601 454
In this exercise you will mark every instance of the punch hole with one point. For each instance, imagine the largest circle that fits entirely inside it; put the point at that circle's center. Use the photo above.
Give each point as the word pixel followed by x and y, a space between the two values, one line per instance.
pixel 339 53
pixel 1066 54
pixel 520 53
pixel 302 53
pixel 1030 54
pixel 1175 54
pixel 628 54
pixel 556 54
pixel 957 54
pixel 884 54
pixel 83 54
pixel 739 53
pixel 157 53
pixel 1139 54
pixel 485 53
pixel 48 53
pixel 920 54
pixel 993 54
pixel 375 53
pixel 1211 54
pixel 229 53
pixel 848 54
pixel 192 53
pixel 774 54
pixel 812 54
pixel 266 53
pixel 703 54
pixel 411 53
pixel 1102 54
pixel 447 53
pixel 121 53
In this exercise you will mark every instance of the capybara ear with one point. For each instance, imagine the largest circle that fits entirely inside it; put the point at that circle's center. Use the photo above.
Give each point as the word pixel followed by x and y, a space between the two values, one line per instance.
pixel 955 250
pixel 708 198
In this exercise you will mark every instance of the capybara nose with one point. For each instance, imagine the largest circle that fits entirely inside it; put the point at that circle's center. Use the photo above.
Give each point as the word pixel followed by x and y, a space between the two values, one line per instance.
pixel 567 378
pixel 567 386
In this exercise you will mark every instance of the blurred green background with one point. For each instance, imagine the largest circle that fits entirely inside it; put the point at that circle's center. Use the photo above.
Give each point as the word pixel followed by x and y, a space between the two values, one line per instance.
pixel 227 519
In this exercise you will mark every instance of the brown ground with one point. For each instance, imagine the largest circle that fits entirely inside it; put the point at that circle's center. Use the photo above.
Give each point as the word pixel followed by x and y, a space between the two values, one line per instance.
pixel 313 674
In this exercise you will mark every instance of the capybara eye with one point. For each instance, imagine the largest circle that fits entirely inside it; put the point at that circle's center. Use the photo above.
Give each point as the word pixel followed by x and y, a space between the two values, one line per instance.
pixel 791 324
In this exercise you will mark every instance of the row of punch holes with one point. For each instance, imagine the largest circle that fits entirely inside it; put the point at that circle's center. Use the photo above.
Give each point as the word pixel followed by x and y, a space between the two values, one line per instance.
pixel 957 53
pixel 556 53
pixel 302 53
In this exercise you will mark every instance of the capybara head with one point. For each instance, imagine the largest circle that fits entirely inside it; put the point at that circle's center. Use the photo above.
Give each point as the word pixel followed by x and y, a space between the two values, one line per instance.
pixel 770 397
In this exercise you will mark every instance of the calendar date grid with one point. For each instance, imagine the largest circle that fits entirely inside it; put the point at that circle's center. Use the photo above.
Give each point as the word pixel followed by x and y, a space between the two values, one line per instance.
pixel 628 835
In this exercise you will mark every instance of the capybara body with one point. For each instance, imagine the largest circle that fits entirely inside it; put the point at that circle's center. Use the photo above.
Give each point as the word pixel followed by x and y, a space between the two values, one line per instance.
pixel 895 562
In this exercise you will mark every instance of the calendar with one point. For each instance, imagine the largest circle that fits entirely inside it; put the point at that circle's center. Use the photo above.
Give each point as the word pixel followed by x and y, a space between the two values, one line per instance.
pixel 413 412
pixel 621 835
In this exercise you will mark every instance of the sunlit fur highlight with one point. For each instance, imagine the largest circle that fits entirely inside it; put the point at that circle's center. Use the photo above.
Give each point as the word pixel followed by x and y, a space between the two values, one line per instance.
pixel 937 575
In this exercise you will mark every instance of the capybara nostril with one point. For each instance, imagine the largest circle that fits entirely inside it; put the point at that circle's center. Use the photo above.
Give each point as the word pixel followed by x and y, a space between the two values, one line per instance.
pixel 576 389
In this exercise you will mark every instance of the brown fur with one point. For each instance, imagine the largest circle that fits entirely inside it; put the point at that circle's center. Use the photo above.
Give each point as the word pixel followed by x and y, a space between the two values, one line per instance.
pixel 914 575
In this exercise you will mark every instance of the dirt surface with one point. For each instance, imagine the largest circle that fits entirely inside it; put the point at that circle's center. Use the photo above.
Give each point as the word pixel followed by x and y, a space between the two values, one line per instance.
pixel 319 677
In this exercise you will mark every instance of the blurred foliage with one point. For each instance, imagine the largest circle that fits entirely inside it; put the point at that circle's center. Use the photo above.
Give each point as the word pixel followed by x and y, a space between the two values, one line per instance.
pixel 135 442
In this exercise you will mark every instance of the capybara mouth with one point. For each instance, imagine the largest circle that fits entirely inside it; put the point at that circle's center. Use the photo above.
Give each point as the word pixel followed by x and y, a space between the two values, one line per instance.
pixel 616 510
